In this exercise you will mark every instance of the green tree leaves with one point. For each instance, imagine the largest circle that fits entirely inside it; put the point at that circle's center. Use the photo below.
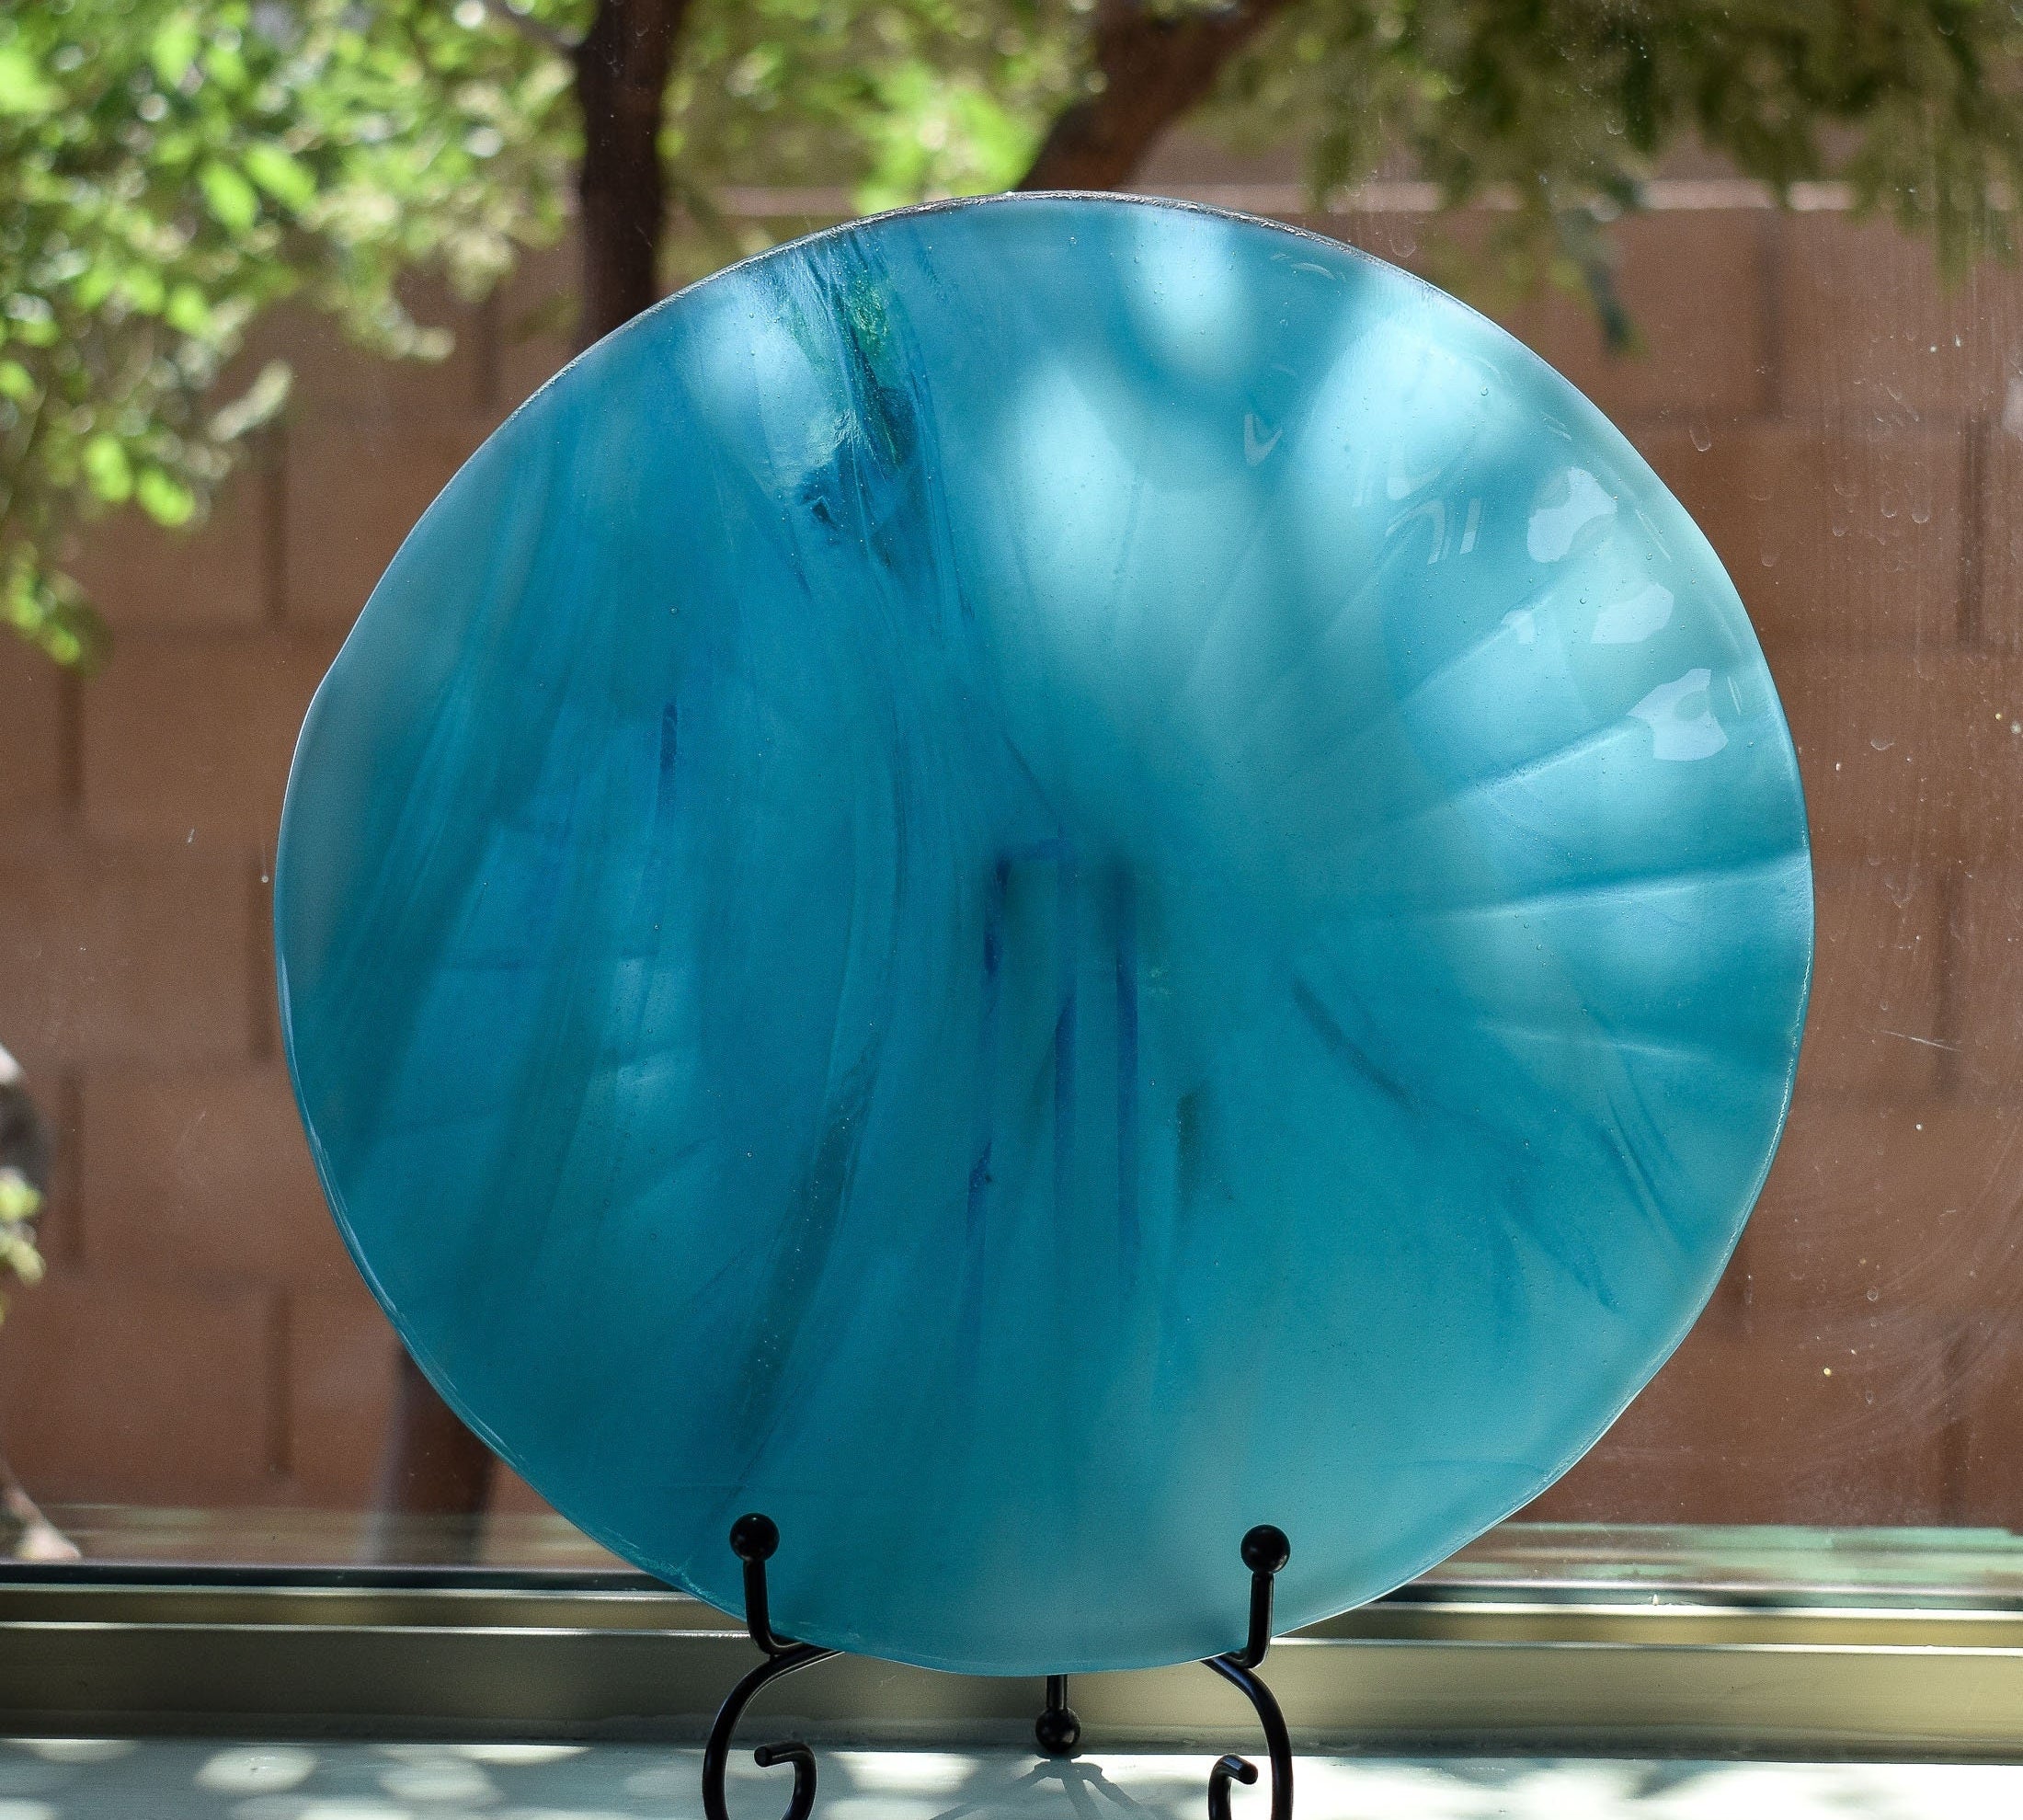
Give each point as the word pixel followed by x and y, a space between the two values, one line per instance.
pixel 19 1203
pixel 171 168
pixel 1561 108
pixel 23 91
pixel 233 201
pixel 168 172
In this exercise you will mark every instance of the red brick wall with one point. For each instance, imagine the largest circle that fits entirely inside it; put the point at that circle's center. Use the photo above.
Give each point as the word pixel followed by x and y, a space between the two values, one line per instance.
pixel 202 1337
pixel 1835 420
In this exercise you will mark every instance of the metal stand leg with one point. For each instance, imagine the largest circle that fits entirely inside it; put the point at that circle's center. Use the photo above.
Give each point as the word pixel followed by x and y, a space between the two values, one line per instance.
pixel 1265 1551
pixel 754 1538
pixel 1058 1731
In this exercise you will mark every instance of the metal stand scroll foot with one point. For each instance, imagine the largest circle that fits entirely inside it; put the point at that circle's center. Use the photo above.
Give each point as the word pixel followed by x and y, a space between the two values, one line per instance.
pixel 753 1539
pixel 1058 1731
pixel 1265 1551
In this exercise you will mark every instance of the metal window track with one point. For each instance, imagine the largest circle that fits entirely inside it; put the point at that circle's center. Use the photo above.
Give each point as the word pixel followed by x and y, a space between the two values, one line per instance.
pixel 1516 1667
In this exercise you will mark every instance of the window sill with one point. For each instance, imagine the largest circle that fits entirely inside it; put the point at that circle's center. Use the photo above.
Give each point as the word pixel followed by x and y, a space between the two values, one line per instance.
pixel 1628 1664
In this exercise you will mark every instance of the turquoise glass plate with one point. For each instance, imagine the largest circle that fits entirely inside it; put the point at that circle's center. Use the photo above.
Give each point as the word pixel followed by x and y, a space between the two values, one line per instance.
pixel 1030 881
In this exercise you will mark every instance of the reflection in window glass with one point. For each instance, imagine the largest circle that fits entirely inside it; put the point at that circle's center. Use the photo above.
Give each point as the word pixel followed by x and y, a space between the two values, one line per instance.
pixel 202 1374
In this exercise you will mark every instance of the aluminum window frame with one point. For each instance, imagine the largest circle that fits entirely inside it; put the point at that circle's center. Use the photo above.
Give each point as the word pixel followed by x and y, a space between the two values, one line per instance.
pixel 1506 1667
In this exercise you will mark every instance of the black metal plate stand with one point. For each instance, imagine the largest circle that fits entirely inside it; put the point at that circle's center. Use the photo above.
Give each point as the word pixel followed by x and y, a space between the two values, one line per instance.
pixel 754 1538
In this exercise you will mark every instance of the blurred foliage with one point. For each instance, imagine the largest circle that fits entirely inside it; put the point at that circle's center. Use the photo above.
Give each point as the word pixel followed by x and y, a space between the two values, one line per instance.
pixel 893 102
pixel 1560 110
pixel 166 173
pixel 168 170
pixel 19 1203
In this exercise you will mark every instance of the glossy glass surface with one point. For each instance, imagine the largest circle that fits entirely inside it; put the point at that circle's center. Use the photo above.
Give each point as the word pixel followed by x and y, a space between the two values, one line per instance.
pixel 1031 882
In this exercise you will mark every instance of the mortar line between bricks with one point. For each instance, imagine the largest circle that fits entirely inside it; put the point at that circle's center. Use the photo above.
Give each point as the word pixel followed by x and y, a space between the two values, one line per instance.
pixel 69 1173
pixel 1947 1022
pixel 487 363
pixel 70 741
pixel 274 527
pixel 262 1003
pixel 1953 1436
pixel 280 1338
pixel 1970 620
pixel 1735 1291
pixel 1770 276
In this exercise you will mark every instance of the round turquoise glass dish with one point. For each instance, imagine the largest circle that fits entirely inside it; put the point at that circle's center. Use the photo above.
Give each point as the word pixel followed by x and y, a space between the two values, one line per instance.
pixel 1030 881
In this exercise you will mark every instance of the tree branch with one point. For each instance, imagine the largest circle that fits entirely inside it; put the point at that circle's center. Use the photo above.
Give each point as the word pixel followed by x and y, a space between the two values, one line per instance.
pixel 1155 65
pixel 546 35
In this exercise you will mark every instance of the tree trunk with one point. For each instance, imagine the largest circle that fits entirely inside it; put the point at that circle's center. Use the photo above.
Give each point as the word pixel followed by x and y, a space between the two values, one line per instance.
pixel 622 70
pixel 435 1478
pixel 435 1475
pixel 1154 67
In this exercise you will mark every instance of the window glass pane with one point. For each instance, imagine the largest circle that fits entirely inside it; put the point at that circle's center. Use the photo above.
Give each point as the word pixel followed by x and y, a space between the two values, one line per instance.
pixel 201 1375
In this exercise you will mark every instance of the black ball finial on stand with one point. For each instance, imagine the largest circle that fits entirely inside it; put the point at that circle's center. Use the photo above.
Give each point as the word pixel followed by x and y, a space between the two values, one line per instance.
pixel 1265 1549
pixel 1058 1730
pixel 757 1537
